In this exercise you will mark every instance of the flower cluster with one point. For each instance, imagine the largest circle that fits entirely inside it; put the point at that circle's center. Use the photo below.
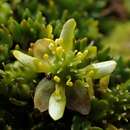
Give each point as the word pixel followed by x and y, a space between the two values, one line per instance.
pixel 69 75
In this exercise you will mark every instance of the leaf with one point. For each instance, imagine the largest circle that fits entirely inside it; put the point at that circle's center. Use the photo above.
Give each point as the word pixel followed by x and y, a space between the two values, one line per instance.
pixel 103 83
pixel 95 128
pixel 42 94
pixel 89 86
pixel 99 109
pixel 57 103
pixel 111 127
pixel 80 123
pixel 92 51
pixel 78 99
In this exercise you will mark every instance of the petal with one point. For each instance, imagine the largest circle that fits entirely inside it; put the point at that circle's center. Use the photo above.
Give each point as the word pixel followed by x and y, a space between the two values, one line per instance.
pixel 35 63
pixel 104 68
pixel 41 47
pixel 42 94
pixel 57 103
pixel 78 99
pixel 67 34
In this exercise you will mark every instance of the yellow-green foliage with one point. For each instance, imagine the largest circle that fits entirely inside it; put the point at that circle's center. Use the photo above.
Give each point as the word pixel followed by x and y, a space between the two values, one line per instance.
pixel 119 41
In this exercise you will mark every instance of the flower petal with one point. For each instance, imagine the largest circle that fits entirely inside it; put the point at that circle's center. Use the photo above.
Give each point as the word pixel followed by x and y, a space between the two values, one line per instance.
pixel 57 103
pixel 104 68
pixel 41 47
pixel 42 94
pixel 67 34
pixel 35 63
pixel 78 99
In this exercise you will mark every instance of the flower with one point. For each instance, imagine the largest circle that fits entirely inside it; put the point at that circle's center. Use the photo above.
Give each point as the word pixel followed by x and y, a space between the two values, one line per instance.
pixel 71 82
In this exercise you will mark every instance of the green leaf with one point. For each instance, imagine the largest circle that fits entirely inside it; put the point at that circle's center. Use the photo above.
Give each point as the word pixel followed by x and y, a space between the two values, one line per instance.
pixel 111 127
pixel 103 83
pixel 80 123
pixel 92 52
pixel 102 107
pixel 95 128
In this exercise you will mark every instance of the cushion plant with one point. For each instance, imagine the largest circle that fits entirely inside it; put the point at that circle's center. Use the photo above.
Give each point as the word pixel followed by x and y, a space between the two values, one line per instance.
pixel 69 72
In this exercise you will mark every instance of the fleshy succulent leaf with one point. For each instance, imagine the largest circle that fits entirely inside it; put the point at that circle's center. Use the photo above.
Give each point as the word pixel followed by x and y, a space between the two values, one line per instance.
pixel 92 51
pixel 111 127
pixel 89 86
pixel 104 81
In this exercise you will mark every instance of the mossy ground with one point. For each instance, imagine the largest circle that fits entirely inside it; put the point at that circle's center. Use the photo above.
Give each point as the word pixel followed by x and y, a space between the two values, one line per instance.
pixel 104 23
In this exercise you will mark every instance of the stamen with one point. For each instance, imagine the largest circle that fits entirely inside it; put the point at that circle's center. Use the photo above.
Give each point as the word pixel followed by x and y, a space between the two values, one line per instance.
pixel 56 79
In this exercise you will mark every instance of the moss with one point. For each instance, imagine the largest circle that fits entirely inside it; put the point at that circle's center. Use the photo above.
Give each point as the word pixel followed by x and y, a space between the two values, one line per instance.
pixel 105 104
